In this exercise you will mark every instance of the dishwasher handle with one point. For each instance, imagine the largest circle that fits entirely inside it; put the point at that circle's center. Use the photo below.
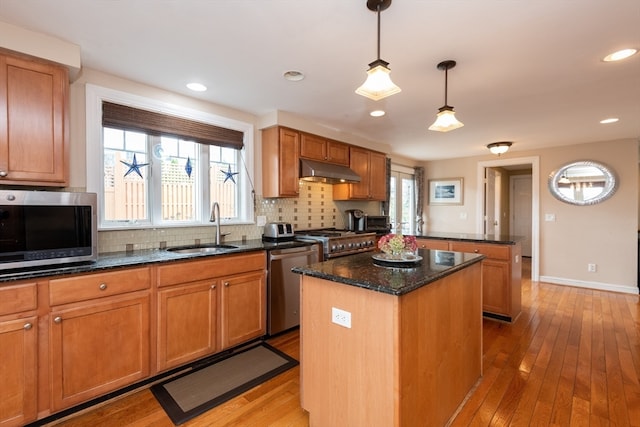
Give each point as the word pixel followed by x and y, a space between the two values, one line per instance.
pixel 275 256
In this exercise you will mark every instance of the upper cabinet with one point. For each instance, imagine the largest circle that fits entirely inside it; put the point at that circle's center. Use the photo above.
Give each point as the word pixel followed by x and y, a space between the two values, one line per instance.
pixel 280 162
pixel 34 99
pixel 325 150
pixel 372 168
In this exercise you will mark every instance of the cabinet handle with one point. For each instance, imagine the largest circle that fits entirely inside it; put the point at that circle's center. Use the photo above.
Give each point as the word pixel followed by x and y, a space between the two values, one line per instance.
pixel 213 286
pixel 103 286
pixel 476 250
pixel 27 326
pixel 3 174
pixel 57 319
pixel 226 284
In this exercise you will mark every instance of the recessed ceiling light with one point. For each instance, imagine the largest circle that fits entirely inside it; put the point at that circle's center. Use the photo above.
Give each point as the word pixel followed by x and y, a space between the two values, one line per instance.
pixel 197 87
pixel 609 120
pixel 293 75
pixel 620 55
pixel 377 113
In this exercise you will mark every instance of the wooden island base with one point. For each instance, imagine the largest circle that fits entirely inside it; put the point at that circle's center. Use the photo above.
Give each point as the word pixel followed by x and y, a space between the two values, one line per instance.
pixel 407 360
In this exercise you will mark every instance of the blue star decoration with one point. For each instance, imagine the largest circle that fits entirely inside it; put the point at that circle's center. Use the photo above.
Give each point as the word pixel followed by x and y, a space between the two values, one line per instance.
pixel 134 167
pixel 188 168
pixel 228 175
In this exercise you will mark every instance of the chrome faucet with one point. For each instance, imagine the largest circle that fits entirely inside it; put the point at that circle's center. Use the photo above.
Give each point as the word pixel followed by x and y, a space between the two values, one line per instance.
pixel 215 217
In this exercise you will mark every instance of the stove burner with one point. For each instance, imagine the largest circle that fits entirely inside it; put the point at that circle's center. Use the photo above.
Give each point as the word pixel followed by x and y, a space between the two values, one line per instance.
pixel 340 242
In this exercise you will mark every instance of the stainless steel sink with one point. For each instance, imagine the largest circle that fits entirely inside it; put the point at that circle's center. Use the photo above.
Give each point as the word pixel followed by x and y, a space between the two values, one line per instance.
pixel 207 249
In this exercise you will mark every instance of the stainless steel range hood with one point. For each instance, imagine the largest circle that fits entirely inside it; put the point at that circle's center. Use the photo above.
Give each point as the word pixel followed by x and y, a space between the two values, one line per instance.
pixel 311 170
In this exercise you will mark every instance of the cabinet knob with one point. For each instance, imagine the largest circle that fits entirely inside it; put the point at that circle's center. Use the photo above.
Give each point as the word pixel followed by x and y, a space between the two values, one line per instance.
pixel 213 286
pixel 226 284
pixel 57 319
pixel 476 251
pixel 3 174
pixel 27 326
pixel 103 286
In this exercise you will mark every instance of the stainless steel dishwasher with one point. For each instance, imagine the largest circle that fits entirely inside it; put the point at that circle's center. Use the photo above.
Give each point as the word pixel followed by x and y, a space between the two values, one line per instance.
pixel 284 286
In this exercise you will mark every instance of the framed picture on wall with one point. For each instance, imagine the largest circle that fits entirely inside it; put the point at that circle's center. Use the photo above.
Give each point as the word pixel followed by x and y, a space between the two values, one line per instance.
pixel 445 191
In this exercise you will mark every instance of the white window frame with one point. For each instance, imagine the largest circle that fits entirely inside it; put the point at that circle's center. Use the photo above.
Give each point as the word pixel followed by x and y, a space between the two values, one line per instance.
pixel 398 172
pixel 96 95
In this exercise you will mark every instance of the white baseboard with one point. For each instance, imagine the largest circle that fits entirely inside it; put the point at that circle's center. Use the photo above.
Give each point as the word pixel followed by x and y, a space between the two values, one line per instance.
pixel 589 285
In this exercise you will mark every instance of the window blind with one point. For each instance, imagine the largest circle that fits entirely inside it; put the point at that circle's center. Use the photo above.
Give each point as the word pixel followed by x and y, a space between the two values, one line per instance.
pixel 134 119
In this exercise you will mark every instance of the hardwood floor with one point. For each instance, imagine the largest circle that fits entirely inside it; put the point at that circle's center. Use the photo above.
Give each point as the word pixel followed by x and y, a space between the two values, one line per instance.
pixel 572 358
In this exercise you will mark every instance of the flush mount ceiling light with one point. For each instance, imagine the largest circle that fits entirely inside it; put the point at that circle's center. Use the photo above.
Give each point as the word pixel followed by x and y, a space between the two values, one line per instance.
pixel 446 117
pixel 620 55
pixel 377 113
pixel 378 84
pixel 197 87
pixel 293 75
pixel 609 120
pixel 499 147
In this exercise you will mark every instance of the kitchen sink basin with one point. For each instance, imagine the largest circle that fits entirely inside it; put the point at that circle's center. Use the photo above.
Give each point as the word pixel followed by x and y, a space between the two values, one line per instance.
pixel 202 249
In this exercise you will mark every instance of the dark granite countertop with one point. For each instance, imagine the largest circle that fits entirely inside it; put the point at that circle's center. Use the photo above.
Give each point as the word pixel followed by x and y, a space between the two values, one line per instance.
pixel 502 239
pixel 359 270
pixel 114 260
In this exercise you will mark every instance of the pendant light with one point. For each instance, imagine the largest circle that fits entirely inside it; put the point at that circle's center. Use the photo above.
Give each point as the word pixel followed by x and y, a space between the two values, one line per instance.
pixel 499 147
pixel 378 84
pixel 446 118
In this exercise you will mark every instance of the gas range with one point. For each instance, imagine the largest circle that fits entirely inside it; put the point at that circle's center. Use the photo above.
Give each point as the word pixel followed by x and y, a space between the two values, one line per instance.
pixel 337 243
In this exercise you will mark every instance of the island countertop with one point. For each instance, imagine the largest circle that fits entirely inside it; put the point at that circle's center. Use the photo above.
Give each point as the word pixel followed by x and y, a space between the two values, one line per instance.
pixel 501 239
pixel 359 270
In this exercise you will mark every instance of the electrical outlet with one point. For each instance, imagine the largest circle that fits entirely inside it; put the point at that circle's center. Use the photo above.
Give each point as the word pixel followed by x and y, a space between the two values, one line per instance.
pixel 592 268
pixel 341 317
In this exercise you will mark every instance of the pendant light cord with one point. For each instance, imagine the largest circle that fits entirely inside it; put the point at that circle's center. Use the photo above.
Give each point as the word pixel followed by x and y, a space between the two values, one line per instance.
pixel 379 29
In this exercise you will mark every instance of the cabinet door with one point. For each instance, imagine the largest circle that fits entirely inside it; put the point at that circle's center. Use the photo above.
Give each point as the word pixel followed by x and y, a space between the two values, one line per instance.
pixel 97 347
pixel 338 152
pixel 18 367
pixel 313 147
pixel 33 122
pixel 377 176
pixel 187 323
pixel 360 164
pixel 496 289
pixel 244 303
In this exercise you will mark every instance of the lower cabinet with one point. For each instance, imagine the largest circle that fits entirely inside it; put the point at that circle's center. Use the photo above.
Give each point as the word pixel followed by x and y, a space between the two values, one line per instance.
pixel 18 354
pixel 187 323
pixel 18 367
pixel 98 348
pixel 501 273
pixel 99 334
pixel 206 306
pixel 244 302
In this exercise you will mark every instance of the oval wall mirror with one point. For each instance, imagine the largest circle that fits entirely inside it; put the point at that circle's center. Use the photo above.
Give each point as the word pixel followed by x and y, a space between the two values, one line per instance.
pixel 583 183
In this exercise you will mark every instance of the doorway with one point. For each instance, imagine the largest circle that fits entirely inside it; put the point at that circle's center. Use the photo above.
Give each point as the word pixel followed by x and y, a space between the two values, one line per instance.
pixel 533 163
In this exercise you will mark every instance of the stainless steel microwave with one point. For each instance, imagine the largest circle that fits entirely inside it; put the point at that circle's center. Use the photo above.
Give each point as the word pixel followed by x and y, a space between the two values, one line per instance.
pixel 40 228
pixel 377 223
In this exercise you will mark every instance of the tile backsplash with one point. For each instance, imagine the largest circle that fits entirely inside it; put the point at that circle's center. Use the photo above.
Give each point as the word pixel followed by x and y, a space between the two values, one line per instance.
pixel 314 208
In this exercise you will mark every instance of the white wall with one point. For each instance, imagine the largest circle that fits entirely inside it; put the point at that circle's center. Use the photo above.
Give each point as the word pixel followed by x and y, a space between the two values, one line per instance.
pixel 604 234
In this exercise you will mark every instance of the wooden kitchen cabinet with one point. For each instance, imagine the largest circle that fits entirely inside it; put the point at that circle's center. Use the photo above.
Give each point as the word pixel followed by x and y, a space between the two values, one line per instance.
pixel 18 354
pixel 34 103
pixel 280 162
pixel 205 306
pixel 322 149
pixel 100 344
pixel 501 277
pixel 432 244
pixel 372 168
pixel 244 308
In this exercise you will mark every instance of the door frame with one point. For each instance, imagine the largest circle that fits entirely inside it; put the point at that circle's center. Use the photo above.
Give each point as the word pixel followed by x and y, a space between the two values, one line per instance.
pixel 534 162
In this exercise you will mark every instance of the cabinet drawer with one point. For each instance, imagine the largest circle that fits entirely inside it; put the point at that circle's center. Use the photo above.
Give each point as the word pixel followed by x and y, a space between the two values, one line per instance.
pixel 89 286
pixel 442 245
pixel 488 250
pixel 18 298
pixel 191 271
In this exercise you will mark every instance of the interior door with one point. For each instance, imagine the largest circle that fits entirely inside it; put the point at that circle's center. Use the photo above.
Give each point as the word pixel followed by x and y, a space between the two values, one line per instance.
pixel 521 198
pixel 491 200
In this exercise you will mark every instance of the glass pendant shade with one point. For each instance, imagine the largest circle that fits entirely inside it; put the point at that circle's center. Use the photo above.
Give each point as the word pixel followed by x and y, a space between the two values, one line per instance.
pixel 378 84
pixel 446 120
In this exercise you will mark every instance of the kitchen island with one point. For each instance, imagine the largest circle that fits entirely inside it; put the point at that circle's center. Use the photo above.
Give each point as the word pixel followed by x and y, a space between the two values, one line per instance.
pixel 390 346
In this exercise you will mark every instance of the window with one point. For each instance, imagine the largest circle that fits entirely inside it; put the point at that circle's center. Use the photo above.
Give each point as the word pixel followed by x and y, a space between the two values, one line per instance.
pixel 150 176
pixel 402 200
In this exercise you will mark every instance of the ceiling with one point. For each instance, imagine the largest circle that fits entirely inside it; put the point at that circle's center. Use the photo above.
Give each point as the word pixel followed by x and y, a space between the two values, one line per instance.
pixel 528 71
